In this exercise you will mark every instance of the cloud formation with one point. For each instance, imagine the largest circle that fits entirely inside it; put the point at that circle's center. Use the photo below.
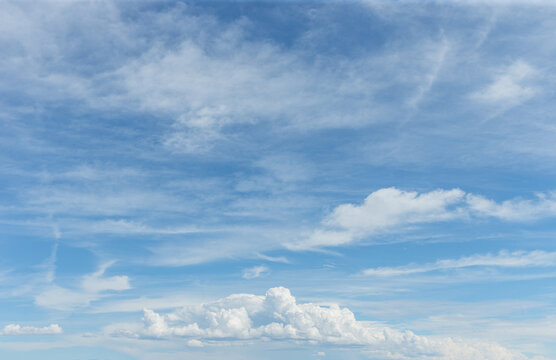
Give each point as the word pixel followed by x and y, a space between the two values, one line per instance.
pixel 392 209
pixel 278 316
pixel 516 259
pixel 255 272
pixel 16 329
pixel 510 86
pixel 92 287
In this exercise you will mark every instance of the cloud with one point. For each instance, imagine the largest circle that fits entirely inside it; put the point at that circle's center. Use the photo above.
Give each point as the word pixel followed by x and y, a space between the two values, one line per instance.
pixel 96 282
pixel 255 272
pixel 510 86
pixel 381 211
pixel 278 259
pixel 392 209
pixel 122 226
pixel 195 343
pixel 278 316
pixel 516 259
pixel 514 209
pixel 93 287
pixel 16 329
pixel 204 74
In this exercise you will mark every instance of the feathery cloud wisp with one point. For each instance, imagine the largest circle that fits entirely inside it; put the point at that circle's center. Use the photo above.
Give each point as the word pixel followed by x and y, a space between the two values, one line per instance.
pixel 516 259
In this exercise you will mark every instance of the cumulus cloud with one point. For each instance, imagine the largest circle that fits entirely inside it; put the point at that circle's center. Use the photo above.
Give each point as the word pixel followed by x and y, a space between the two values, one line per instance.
pixel 516 259
pixel 92 287
pixel 16 329
pixel 391 209
pixel 255 272
pixel 278 316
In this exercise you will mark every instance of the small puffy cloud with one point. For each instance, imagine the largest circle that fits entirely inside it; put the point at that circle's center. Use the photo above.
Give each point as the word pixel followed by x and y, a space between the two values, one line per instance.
pixel 255 272
pixel 278 316
pixel 16 329
pixel 93 287
pixel 505 259
pixel 392 209
pixel 195 343
pixel 509 86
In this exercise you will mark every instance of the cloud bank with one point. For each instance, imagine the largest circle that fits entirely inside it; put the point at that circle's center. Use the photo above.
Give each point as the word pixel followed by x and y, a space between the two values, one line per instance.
pixel 278 316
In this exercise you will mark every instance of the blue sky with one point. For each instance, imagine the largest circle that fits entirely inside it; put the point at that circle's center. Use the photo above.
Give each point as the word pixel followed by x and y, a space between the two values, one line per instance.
pixel 246 180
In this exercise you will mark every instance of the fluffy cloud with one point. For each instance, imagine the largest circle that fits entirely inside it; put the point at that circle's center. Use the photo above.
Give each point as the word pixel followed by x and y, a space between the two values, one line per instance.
pixel 391 208
pixel 278 316
pixel 15 329
pixel 516 259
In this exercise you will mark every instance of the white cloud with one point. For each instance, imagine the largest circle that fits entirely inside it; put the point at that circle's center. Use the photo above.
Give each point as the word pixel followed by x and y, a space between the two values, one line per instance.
pixel 392 209
pixel 278 259
pixel 96 282
pixel 93 287
pixel 122 226
pixel 516 259
pixel 383 210
pixel 16 329
pixel 195 343
pixel 514 209
pixel 510 86
pixel 278 316
pixel 255 272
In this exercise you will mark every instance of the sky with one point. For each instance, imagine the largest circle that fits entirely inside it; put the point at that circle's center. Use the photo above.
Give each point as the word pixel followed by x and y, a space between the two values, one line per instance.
pixel 259 179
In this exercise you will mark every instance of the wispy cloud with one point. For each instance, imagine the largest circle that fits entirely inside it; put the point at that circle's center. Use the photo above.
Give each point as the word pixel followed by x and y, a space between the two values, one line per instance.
pixel 92 287
pixel 255 272
pixel 514 209
pixel 511 86
pixel 504 259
